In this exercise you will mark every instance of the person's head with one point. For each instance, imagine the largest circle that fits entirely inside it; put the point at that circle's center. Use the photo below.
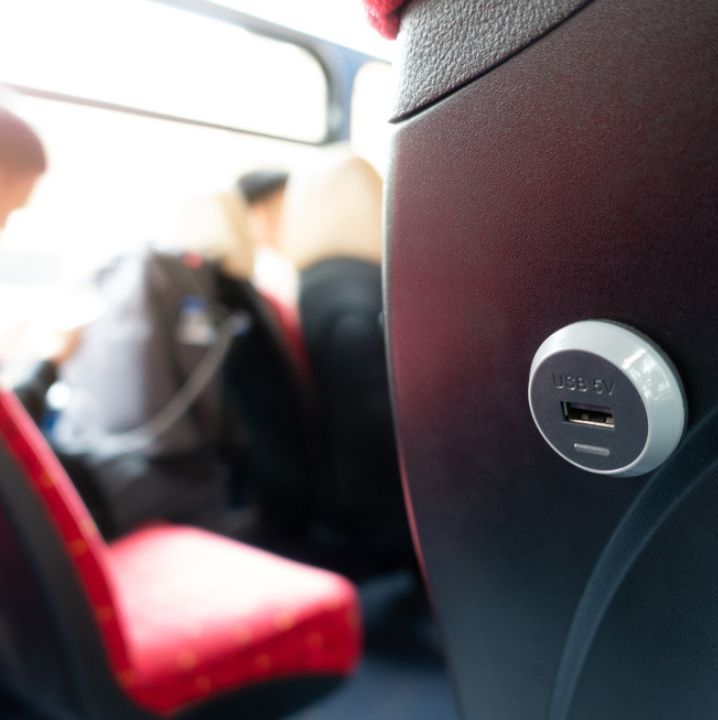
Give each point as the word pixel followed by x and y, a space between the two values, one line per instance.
pixel 22 162
pixel 263 192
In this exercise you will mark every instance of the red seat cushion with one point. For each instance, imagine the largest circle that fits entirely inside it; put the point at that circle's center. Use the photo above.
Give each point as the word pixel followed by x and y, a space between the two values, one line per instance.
pixel 203 614
pixel 185 614
pixel 68 514
pixel 385 15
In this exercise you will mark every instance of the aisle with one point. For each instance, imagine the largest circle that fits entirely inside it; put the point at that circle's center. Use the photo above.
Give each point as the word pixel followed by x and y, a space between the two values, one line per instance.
pixel 402 675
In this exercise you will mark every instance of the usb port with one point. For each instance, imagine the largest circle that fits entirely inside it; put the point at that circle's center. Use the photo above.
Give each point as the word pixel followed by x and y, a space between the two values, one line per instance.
pixel 591 415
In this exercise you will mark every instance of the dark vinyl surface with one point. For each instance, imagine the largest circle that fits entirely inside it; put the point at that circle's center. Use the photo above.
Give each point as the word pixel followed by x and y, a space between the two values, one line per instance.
pixel 578 180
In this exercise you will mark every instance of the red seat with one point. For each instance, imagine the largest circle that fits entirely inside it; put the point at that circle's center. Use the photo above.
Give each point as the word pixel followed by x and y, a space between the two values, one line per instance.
pixel 201 614
pixel 168 617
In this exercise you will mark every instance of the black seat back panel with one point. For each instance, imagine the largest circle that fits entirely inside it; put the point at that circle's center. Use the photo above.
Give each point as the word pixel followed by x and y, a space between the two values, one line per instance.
pixel 576 180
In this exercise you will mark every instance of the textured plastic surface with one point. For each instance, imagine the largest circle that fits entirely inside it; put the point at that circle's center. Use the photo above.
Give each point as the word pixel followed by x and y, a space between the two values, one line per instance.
pixel 576 180
pixel 446 43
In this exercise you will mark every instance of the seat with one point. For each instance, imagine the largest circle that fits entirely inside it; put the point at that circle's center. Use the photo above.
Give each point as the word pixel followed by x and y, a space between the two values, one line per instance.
pixel 266 376
pixel 554 162
pixel 332 234
pixel 169 621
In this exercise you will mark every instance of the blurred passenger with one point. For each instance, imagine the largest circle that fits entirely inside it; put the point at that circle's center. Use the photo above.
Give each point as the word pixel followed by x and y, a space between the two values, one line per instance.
pixel 263 192
pixel 184 395
pixel 22 163
pixel 333 232
pixel 145 413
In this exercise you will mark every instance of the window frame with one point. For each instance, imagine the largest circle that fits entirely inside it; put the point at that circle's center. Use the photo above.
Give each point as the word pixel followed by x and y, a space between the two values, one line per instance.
pixel 338 64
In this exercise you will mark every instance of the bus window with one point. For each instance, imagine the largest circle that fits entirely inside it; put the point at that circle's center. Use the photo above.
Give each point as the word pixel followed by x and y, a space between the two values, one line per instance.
pixel 146 104
pixel 161 59
pixel 371 108
pixel 141 106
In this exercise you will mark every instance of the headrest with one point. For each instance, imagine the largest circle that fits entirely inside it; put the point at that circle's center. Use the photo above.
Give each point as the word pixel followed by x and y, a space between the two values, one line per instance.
pixel 215 226
pixel 333 211
pixel 385 15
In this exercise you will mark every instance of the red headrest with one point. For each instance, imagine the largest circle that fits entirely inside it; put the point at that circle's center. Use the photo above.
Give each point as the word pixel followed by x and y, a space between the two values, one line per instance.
pixel 384 15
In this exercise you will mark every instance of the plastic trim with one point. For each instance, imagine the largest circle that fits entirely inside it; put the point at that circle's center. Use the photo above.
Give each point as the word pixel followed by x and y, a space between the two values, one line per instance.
pixel 649 370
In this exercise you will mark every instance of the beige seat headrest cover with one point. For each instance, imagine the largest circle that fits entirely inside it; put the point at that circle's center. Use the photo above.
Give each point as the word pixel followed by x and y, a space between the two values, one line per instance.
pixel 335 211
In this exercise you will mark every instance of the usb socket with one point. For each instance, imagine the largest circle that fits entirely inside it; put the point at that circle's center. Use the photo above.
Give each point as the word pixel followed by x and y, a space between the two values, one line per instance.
pixel 591 415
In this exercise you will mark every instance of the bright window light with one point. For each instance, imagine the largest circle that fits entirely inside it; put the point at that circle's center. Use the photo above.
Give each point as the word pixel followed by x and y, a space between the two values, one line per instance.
pixel 342 22
pixel 161 59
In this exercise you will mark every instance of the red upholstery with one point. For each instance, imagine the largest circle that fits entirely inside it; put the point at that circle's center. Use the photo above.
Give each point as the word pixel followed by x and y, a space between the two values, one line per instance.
pixel 68 513
pixel 225 615
pixel 185 614
pixel 288 318
pixel 385 15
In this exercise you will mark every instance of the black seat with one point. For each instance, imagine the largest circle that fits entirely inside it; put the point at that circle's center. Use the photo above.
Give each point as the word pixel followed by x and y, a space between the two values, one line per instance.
pixel 333 234
pixel 557 162
pixel 270 398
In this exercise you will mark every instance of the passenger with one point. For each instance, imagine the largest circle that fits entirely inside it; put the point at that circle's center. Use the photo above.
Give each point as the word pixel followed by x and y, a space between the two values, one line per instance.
pixel 175 480
pixel 143 488
pixel 178 324
pixel 145 413
pixel 263 192
pixel 22 163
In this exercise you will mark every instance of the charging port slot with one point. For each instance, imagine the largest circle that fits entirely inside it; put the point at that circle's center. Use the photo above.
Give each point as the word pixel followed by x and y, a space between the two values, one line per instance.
pixel 591 415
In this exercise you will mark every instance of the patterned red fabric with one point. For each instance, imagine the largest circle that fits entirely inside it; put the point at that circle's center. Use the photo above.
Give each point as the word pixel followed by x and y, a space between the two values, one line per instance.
pixel 225 615
pixel 68 513
pixel 385 15
pixel 185 614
